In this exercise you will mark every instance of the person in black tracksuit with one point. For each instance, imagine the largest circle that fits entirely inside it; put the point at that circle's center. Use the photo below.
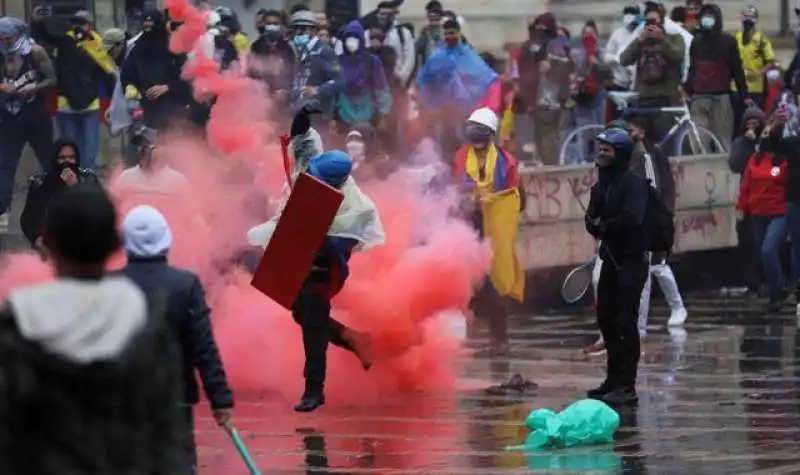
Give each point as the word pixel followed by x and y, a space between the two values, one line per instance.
pixel 156 73
pixel 616 216
pixel 147 239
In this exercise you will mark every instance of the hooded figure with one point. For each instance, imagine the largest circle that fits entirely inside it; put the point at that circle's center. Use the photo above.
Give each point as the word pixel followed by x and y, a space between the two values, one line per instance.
pixel 616 216
pixel 365 96
pixel 155 73
pixel 44 187
pixel 147 239
pixel 715 63
pixel 744 145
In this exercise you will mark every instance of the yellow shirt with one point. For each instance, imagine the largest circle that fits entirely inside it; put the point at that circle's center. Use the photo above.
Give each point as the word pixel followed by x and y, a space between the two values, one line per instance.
pixel 241 43
pixel 755 56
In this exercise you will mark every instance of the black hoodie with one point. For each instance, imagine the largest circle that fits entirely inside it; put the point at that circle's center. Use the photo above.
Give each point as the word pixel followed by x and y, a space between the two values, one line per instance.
pixel 715 59
pixel 150 63
pixel 43 187
pixel 743 147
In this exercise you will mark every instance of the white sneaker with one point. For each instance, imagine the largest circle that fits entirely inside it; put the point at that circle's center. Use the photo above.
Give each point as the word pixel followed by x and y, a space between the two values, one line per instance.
pixel 677 317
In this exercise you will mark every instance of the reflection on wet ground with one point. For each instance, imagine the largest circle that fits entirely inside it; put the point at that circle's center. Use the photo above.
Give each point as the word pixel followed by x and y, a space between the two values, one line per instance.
pixel 721 398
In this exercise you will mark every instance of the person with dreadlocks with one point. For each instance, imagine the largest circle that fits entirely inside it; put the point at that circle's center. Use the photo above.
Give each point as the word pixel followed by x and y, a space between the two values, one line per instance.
pixel 26 73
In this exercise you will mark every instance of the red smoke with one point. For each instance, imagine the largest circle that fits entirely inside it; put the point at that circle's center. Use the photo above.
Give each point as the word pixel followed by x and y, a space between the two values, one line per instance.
pixel 429 265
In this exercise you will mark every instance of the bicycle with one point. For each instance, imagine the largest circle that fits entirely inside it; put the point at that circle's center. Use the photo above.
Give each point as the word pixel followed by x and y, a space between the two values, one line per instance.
pixel 684 128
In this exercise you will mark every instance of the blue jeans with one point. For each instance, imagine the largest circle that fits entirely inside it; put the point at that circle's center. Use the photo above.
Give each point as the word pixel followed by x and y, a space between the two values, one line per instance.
pixel 84 128
pixel 769 234
pixel 793 225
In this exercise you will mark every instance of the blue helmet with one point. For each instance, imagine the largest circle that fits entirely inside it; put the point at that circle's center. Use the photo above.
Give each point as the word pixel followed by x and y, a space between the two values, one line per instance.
pixel 620 139
pixel 332 167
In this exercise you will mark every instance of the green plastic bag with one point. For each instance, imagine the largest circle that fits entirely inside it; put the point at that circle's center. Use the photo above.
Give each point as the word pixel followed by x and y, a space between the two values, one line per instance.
pixel 585 422
pixel 579 460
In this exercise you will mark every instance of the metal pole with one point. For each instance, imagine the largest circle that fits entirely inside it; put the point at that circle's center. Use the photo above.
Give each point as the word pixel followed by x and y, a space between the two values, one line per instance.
pixel 785 15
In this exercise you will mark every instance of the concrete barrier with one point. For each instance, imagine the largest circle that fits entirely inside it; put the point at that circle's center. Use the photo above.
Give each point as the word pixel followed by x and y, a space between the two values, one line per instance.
pixel 552 232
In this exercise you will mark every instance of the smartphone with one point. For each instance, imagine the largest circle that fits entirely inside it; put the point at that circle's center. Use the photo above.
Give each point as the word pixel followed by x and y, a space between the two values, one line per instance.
pixel 43 11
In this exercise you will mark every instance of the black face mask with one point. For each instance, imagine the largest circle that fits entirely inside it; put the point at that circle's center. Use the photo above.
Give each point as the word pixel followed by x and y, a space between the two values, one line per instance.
pixel 748 24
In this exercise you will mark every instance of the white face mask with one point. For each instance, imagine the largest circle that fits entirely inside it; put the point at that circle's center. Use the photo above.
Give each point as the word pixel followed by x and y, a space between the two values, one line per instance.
pixel 352 44
pixel 356 150
pixel 628 19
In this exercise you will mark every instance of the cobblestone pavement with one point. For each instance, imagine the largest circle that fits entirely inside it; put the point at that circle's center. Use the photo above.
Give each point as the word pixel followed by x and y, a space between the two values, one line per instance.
pixel 721 398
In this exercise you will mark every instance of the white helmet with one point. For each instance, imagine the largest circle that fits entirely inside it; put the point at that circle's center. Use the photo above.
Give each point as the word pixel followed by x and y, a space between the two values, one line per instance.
pixel 485 116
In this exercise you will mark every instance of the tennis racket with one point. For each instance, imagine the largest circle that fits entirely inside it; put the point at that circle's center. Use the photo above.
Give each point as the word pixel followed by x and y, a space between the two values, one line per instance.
pixel 577 283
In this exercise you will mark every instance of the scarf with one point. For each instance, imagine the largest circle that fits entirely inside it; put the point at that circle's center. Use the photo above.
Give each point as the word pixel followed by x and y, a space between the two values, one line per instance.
pixel 14 28
pixel 486 184
pixel 93 46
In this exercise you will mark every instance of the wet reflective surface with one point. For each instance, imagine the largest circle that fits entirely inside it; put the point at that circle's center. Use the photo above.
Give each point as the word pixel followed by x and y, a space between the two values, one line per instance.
pixel 721 398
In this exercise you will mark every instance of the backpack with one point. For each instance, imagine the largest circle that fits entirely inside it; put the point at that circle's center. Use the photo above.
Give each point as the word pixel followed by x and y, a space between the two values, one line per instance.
pixel 651 67
pixel 658 223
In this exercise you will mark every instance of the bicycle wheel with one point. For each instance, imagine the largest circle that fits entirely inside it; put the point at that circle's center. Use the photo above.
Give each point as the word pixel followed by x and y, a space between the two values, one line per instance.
pixel 577 133
pixel 685 144
pixel 577 283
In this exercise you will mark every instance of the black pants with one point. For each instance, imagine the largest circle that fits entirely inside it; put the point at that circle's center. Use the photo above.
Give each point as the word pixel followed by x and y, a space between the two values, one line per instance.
pixel 749 255
pixel 29 128
pixel 312 311
pixel 618 292
pixel 189 444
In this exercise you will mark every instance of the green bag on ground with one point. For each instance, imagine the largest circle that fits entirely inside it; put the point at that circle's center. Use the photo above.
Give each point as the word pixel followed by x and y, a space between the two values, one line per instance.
pixel 585 422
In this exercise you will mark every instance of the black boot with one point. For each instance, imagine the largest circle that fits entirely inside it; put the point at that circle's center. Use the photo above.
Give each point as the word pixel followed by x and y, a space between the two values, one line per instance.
pixel 598 392
pixel 621 396
pixel 313 397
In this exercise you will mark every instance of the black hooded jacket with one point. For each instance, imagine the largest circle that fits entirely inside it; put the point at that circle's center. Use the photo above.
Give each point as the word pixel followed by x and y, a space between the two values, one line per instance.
pixel 44 187
pixel 150 63
pixel 715 59
pixel 743 147
pixel 616 213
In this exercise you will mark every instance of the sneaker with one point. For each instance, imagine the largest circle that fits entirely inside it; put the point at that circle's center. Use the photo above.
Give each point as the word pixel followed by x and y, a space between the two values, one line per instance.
pixel 677 317
pixel 595 349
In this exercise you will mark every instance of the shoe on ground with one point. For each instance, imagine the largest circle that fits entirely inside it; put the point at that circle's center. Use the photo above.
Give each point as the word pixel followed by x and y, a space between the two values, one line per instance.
pixel 311 401
pixel 595 349
pixel 599 391
pixel 620 397
pixel 677 317
pixel 515 386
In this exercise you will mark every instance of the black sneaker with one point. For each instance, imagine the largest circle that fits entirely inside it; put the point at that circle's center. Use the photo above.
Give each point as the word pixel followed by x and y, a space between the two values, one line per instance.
pixel 620 397
pixel 599 391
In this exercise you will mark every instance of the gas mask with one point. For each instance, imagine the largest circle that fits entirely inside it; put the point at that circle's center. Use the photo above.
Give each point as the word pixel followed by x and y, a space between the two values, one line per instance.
pixel 478 135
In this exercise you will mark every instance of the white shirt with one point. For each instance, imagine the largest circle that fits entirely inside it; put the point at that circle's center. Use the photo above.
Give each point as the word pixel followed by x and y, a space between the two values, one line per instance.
pixel 165 181
pixel 619 40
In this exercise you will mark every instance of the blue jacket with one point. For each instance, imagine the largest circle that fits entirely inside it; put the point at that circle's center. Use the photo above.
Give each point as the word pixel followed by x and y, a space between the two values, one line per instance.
pixel 316 66
pixel 188 316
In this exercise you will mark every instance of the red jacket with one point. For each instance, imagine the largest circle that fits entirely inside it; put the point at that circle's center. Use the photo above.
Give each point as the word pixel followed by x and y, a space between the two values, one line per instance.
pixel 763 188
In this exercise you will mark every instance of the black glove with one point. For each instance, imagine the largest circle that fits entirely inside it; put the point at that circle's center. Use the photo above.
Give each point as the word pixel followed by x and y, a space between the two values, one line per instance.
pixel 595 227
pixel 302 122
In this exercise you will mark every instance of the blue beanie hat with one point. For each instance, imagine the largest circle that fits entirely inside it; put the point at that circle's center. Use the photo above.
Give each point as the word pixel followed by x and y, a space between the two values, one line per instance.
pixel 333 167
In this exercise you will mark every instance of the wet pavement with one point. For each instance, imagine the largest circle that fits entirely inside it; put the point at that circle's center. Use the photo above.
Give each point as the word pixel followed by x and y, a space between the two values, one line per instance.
pixel 721 398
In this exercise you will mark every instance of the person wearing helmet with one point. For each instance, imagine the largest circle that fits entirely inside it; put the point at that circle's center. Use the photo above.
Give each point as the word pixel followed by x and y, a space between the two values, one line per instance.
pixel 356 226
pixel 317 76
pixel 490 176
pixel 616 216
